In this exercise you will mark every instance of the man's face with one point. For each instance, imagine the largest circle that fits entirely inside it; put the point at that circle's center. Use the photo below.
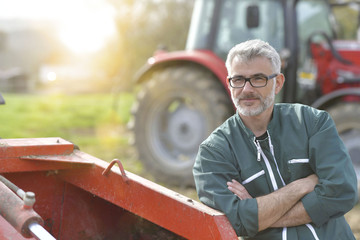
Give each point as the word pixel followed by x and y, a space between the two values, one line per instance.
pixel 248 100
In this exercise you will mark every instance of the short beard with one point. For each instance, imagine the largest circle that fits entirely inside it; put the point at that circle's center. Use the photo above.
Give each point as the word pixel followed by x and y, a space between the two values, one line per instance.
pixel 265 103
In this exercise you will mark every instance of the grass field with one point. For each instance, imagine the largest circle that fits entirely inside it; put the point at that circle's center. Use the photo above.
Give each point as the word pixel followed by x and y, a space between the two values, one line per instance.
pixel 96 123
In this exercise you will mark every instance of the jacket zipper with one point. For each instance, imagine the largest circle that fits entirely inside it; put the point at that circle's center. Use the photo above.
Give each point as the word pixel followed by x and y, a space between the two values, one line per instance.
pixel 260 154
pixel 267 163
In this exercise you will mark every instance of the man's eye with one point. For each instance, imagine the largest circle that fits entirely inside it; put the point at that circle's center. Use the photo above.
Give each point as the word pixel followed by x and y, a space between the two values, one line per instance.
pixel 259 78
pixel 238 79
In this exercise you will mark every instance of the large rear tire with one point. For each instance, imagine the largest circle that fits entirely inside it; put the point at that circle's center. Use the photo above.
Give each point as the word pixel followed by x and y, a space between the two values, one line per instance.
pixel 176 110
pixel 347 119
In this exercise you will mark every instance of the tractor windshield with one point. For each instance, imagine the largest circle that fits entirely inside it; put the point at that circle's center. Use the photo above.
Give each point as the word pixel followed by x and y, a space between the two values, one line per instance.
pixel 347 19
pixel 312 17
pixel 219 25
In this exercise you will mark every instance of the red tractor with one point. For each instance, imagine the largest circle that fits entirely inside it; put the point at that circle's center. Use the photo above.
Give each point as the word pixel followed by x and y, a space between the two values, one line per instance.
pixel 184 95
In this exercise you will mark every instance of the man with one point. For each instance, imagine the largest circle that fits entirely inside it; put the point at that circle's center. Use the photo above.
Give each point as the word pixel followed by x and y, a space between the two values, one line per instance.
pixel 278 171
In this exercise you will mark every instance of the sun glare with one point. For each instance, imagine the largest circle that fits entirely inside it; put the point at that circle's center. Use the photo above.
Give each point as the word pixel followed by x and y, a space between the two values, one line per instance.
pixel 86 30
pixel 51 76
pixel 83 26
pixel 86 35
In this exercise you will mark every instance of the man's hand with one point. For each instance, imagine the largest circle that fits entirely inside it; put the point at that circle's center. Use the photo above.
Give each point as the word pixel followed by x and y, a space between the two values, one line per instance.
pixel 311 181
pixel 238 189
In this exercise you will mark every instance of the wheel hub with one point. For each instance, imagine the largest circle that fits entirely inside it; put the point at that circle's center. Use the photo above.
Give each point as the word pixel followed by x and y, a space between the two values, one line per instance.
pixel 186 129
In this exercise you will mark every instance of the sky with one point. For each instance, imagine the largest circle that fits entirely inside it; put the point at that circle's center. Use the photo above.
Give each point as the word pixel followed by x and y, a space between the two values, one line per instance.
pixel 50 9
pixel 82 25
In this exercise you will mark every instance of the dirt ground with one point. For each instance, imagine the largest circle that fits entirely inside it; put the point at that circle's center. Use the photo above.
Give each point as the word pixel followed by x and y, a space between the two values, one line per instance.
pixel 353 218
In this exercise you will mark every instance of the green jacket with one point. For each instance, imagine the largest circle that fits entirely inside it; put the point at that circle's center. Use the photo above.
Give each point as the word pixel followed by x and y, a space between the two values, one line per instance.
pixel 301 141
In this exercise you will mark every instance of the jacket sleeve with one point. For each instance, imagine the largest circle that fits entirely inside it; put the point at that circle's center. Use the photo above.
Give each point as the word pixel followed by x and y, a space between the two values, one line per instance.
pixel 336 192
pixel 212 170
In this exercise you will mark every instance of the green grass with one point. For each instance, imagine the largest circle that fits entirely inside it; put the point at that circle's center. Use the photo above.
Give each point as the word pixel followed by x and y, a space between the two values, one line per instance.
pixel 94 122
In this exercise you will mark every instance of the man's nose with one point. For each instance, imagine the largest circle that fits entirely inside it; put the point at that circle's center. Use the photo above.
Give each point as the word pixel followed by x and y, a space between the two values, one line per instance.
pixel 247 87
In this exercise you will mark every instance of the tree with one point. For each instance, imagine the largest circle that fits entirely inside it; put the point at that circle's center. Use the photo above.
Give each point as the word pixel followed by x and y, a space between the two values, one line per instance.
pixel 143 25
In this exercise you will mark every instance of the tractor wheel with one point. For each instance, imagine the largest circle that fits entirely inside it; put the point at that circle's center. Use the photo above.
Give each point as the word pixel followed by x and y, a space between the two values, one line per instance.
pixel 347 120
pixel 176 110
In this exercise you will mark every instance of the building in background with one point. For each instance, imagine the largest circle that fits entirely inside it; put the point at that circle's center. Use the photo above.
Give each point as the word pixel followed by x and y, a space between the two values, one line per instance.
pixel 23 48
pixel 53 46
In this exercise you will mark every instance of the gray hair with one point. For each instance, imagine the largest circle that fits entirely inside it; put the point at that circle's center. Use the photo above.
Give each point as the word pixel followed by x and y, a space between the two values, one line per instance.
pixel 251 49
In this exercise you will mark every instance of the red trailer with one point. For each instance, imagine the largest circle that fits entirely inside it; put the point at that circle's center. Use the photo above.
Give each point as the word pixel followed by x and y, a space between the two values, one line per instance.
pixel 79 196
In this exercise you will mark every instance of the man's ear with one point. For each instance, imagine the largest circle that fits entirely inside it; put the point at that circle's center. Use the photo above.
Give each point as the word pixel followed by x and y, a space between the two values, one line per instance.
pixel 280 79
pixel 228 82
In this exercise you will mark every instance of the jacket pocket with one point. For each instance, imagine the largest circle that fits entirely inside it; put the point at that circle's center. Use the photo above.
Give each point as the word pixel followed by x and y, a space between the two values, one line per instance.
pixel 253 177
pixel 254 180
pixel 299 168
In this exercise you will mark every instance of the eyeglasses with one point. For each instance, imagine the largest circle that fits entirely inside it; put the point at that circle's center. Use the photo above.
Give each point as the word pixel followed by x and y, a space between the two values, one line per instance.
pixel 256 81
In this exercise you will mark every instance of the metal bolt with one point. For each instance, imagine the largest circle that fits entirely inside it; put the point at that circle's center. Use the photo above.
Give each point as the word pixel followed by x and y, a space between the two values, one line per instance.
pixel 29 199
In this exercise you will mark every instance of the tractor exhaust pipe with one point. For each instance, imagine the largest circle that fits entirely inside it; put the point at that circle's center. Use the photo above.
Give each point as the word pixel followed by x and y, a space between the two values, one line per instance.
pixel 19 213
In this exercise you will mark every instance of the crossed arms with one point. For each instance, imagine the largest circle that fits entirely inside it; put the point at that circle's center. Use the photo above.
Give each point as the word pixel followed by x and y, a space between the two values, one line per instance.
pixel 283 207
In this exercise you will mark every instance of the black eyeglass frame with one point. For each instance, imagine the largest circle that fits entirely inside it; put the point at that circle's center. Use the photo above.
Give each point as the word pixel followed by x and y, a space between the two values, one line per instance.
pixel 249 80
